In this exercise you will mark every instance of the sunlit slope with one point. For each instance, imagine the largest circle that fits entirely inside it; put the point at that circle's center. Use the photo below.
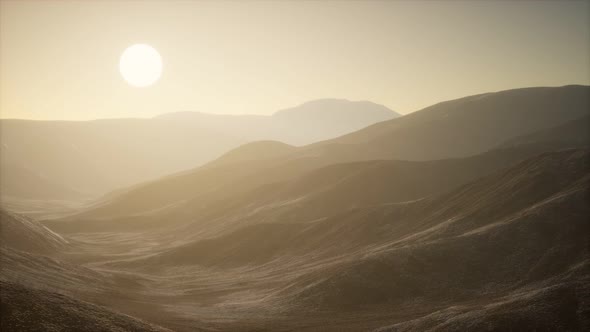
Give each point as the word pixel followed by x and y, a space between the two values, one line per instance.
pixel 522 112
pixel 89 158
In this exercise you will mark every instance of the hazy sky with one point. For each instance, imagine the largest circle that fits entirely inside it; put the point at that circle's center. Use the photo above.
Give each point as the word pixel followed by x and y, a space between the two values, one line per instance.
pixel 59 60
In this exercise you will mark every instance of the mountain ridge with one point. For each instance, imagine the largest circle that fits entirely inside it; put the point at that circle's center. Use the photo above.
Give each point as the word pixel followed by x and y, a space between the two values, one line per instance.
pixel 91 158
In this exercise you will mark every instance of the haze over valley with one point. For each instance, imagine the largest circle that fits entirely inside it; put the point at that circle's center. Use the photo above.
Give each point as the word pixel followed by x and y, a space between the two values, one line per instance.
pixel 71 159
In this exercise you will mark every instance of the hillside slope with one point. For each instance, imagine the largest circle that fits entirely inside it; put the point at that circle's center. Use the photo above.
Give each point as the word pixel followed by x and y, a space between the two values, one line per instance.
pixel 22 233
pixel 506 250
pixel 492 235
pixel 526 191
pixel 574 133
pixel 217 181
pixel 470 125
pixel 27 309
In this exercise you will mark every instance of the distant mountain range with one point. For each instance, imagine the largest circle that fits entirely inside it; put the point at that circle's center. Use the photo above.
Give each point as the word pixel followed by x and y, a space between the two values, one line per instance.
pixel 73 159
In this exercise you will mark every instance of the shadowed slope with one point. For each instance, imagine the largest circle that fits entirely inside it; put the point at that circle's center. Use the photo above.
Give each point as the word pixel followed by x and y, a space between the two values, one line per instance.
pixel 541 184
pixel 27 309
pixel 575 133
pixel 561 305
pixel 512 229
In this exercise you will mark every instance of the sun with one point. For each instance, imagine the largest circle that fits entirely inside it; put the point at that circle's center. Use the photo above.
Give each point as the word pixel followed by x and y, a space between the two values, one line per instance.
pixel 140 65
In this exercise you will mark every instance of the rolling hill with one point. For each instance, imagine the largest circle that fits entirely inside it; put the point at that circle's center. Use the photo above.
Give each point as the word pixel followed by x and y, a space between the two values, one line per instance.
pixel 25 309
pixel 218 179
pixel 462 208
pixel 357 233
pixel 508 249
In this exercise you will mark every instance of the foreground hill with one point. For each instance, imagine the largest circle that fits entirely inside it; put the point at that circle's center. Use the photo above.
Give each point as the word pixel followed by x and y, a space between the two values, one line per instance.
pixel 479 123
pixel 41 291
pixel 512 228
pixel 73 159
pixel 559 305
pixel 27 309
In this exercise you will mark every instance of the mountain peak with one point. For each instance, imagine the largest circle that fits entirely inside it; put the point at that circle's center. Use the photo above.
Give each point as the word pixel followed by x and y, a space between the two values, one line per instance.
pixel 334 106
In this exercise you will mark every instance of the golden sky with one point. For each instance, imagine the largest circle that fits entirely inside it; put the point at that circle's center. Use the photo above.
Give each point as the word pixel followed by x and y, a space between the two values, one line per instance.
pixel 59 60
